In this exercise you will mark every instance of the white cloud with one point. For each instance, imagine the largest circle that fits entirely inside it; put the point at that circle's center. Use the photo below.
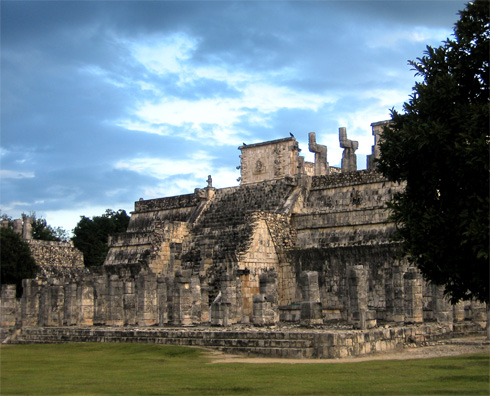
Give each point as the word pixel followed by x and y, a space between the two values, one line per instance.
pixel 14 205
pixel 106 76
pixel 220 116
pixel 415 34
pixel 8 174
pixel 213 118
pixel 163 54
pixel 162 168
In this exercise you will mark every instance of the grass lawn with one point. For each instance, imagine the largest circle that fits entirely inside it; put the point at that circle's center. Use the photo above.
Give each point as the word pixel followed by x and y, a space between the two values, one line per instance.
pixel 141 369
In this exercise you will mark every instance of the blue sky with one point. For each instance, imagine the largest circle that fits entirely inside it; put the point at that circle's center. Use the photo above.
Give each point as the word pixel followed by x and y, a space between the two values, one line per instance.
pixel 105 102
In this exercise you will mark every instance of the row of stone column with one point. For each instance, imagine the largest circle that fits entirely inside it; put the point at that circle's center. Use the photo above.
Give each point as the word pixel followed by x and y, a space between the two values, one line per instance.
pixel 404 299
pixel 111 300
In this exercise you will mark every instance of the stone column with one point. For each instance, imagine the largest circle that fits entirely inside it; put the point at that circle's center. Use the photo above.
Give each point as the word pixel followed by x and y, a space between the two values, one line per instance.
pixel 27 228
pixel 18 226
pixel 443 309
pixel 412 281
pixel 205 315
pixel 478 311
pixel 311 308
pixel 394 294
pixel 399 293
pixel 220 311
pixel 44 304
pixel 56 298
pixel 86 301
pixel 162 301
pixel 196 299
pixel 357 282
pixel 458 312
pixel 349 158
pixel 101 296
pixel 321 164
pixel 8 306
pixel 183 298
pixel 146 291
pixel 129 302
pixel 71 304
pixel 116 301
pixel 30 302
pixel 229 290
pixel 265 304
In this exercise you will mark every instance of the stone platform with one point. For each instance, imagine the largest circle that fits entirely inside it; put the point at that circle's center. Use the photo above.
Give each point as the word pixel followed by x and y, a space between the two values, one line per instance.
pixel 278 341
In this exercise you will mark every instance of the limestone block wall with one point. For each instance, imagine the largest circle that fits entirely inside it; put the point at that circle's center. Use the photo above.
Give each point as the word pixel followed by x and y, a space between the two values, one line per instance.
pixel 345 209
pixel 56 257
pixel 332 264
pixel 166 245
pixel 259 258
pixel 269 160
pixel 129 248
pixel 9 306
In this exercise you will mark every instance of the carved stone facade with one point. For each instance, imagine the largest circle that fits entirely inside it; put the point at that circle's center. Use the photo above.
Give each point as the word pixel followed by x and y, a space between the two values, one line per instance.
pixel 295 242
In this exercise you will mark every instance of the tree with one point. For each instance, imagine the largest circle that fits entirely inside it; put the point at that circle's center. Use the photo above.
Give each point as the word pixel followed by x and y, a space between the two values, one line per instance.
pixel 91 235
pixel 41 230
pixel 17 261
pixel 439 147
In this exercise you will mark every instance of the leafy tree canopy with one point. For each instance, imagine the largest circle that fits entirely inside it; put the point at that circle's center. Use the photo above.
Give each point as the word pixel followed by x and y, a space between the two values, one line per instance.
pixel 439 147
pixel 17 261
pixel 41 230
pixel 91 235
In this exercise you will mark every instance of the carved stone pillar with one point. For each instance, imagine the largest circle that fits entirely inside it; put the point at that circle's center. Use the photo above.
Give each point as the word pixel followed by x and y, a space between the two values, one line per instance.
pixel 265 304
pixel 101 297
pixel 146 292
pixel 71 306
pixel 162 301
pixel 30 302
pixel 183 298
pixel 86 301
pixel 349 158
pixel 8 306
pixel 412 281
pixel 321 164
pixel 357 282
pixel 116 301
pixel 443 309
pixel 311 308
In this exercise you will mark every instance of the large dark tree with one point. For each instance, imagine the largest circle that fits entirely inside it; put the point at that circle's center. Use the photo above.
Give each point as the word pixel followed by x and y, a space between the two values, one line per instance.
pixel 16 259
pixel 439 147
pixel 91 235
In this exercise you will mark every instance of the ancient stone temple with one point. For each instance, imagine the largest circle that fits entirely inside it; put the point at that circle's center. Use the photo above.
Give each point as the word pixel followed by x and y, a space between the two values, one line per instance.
pixel 295 242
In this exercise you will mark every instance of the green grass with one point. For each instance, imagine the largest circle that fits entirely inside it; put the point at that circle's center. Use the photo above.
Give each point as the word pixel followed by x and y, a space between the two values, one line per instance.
pixel 140 369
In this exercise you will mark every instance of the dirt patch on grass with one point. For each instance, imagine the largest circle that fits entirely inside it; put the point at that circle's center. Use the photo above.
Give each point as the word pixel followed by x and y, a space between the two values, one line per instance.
pixel 453 347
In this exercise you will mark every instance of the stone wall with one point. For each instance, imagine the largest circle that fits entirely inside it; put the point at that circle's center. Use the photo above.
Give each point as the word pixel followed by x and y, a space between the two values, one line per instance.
pixel 269 160
pixel 60 259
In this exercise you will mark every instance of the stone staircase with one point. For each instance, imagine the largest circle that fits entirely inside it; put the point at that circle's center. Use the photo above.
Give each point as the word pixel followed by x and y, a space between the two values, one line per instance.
pixel 258 343
pixel 287 342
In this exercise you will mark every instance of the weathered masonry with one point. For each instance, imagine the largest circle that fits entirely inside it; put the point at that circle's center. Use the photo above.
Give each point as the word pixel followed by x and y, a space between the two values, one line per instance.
pixel 295 242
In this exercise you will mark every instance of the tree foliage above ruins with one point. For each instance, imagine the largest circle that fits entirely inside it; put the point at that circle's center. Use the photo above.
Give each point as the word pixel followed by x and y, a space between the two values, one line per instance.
pixel 17 261
pixel 92 234
pixel 42 231
pixel 439 146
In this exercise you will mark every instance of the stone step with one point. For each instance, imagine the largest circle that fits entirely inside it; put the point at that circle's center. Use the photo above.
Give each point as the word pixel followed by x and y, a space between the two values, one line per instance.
pixel 256 343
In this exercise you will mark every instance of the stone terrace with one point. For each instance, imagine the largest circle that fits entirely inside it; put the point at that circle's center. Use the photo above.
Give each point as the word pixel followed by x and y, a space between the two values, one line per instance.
pixel 278 341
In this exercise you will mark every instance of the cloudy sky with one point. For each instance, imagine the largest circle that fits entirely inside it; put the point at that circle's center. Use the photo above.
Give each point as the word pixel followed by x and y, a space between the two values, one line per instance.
pixel 104 102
